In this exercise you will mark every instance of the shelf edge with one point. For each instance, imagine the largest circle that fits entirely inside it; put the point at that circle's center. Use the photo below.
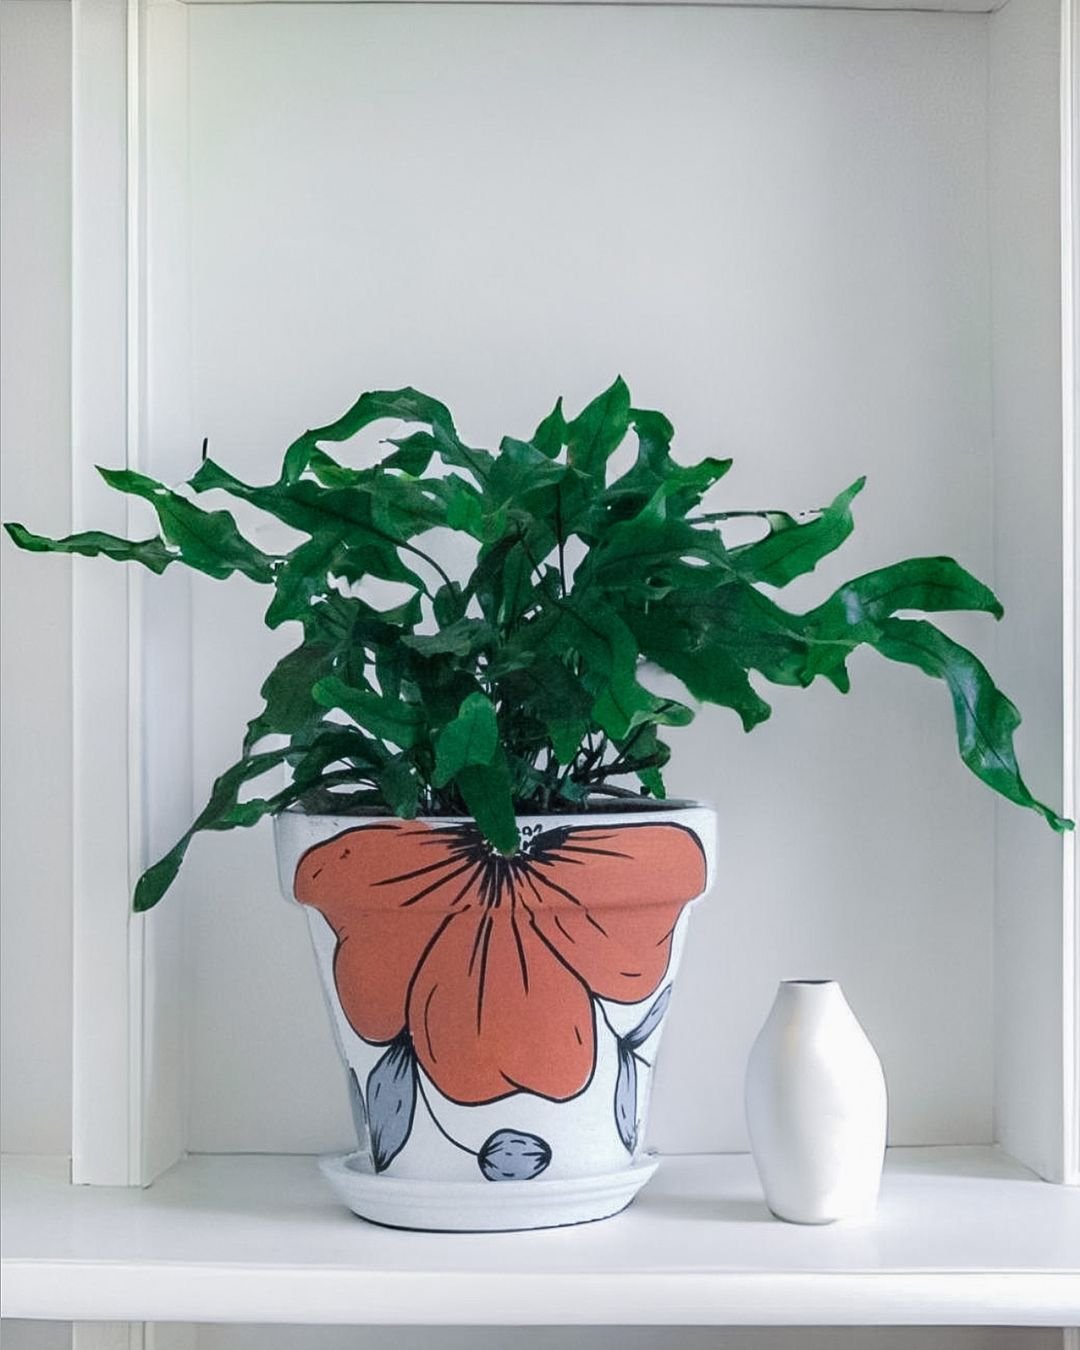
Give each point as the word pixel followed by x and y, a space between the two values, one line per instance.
pixel 158 1292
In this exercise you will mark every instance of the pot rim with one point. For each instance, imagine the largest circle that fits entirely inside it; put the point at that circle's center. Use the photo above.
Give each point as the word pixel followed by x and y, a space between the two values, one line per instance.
pixel 603 807
pixel 295 832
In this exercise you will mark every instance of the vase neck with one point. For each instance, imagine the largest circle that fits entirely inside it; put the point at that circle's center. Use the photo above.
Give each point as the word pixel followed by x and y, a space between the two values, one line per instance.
pixel 810 998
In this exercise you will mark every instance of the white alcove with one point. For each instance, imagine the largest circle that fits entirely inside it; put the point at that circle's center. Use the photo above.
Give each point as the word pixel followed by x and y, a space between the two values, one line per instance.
pixel 825 241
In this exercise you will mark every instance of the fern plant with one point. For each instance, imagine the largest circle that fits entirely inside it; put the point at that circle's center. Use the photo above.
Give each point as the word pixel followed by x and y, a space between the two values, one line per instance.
pixel 515 687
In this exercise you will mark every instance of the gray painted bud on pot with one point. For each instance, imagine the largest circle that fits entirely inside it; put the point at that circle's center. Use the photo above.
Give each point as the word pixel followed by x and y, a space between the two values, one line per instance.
pixel 510 1155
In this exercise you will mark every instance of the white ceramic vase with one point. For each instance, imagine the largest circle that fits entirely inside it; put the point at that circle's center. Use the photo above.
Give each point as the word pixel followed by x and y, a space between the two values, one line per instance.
pixel 498 1017
pixel 816 1107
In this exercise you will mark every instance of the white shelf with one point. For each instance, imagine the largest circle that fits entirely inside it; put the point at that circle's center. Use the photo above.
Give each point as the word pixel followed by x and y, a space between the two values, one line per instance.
pixel 962 1236
pixel 929 6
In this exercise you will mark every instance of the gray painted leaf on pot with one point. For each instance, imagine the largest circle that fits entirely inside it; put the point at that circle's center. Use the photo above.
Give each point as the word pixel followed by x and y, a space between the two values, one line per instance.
pixel 652 1019
pixel 391 1101
pixel 512 1155
pixel 626 1097
pixel 359 1111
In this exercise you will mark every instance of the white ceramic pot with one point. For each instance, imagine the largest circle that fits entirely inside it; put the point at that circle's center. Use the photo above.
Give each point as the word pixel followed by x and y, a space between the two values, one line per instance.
pixel 816 1106
pixel 498 1017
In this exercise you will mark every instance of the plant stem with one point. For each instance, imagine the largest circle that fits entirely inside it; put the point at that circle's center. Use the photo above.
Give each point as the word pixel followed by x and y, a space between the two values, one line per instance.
pixel 560 535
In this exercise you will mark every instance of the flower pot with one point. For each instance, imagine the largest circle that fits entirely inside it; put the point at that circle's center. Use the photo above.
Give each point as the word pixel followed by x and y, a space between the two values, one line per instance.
pixel 498 1017
pixel 816 1107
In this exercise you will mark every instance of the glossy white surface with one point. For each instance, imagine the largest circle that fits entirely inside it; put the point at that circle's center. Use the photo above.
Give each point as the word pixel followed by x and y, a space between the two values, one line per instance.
pixel 961 1236
pixel 816 1107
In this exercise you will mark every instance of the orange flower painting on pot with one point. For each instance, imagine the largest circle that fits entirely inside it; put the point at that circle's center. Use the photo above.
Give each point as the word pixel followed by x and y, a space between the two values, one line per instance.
pixel 487 966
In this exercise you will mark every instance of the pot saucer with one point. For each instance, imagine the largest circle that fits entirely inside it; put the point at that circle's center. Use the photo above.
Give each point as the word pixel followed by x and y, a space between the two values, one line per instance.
pixel 483 1206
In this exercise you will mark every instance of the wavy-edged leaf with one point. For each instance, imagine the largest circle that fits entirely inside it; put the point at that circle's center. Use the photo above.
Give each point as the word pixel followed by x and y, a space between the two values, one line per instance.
pixel 606 652
pixel 503 582
pixel 405 405
pixel 550 436
pixel 152 553
pixel 598 430
pixel 852 613
pixel 651 468
pixel 643 749
pixel 567 736
pixel 793 548
pixel 224 811
pixel 388 719
pixel 651 554
pixel 637 1037
pixel 391 1101
pixel 399 786
pixel 655 471
pixel 932 585
pixel 455 453
pixel 470 739
pixel 290 708
pixel 335 744
pixel 709 671
pixel 449 604
pixel 208 541
pixel 735 622
pixel 345 535
pixel 461 638
pixel 985 718
pixel 404 506
pixel 354 623
pixel 547 687
pixel 412 454
pixel 513 1155
pixel 327 471
pixel 626 1097
pixel 520 471
pixel 448 447
pixel 302 580
pixel 486 789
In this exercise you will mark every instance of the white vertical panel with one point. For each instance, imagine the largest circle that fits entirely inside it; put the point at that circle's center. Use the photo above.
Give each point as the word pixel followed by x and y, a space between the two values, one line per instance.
pixel 127 1116
pixel 1026 288
pixel 107 1336
pixel 35 613
pixel 103 966
pixel 1070 370
pixel 168 451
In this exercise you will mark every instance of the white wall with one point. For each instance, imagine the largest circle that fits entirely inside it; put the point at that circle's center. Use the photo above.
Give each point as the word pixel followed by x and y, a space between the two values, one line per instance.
pixel 35 640
pixel 1026 258
pixel 817 320
pixel 775 225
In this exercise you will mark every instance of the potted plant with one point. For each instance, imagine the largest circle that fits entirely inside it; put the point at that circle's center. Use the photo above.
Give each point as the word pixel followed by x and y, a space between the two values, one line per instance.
pixel 497 916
